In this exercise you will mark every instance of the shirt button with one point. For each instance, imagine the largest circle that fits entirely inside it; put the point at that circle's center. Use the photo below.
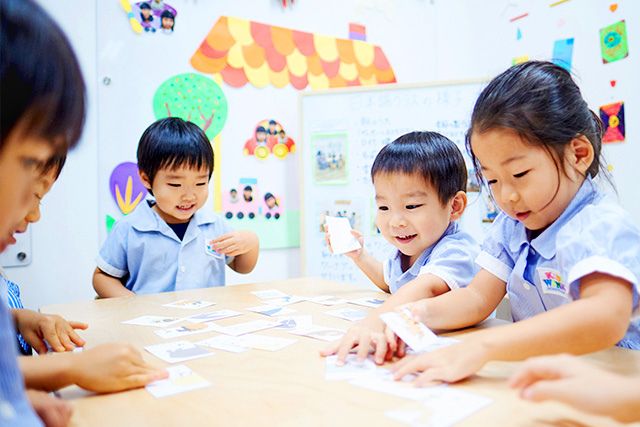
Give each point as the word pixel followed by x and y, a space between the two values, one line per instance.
pixel 525 285
pixel 182 269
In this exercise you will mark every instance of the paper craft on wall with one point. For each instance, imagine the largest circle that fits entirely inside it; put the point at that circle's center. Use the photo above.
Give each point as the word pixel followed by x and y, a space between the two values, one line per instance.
pixel 563 53
pixel 195 98
pixel 612 116
pixel 613 42
pixel 330 154
pixel 247 206
pixel 269 137
pixel 150 16
pixel 126 188
pixel 243 51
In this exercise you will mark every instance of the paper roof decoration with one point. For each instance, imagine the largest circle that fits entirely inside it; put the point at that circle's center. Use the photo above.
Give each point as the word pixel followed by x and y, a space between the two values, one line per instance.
pixel 243 51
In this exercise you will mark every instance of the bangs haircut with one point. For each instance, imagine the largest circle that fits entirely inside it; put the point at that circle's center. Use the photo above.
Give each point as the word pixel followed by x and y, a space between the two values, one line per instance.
pixel 431 155
pixel 172 143
pixel 41 85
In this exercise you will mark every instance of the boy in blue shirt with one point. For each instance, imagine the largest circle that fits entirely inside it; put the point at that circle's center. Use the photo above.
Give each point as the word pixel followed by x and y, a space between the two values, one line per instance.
pixel 170 244
pixel 420 181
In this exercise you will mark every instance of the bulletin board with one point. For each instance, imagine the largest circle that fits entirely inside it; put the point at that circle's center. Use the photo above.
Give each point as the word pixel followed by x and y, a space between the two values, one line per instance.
pixel 342 131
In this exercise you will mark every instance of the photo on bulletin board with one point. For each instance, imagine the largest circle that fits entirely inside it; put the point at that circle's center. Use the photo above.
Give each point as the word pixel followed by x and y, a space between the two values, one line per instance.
pixel 154 16
pixel 613 42
pixel 269 138
pixel 489 207
pixel 330 165
pixel 248 206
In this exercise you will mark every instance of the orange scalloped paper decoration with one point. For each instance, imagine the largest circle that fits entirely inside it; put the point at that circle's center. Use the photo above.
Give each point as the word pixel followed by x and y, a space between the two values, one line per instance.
pixel 241 51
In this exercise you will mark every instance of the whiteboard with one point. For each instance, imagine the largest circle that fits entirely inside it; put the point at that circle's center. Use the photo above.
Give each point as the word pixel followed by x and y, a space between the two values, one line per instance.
pixel 342 132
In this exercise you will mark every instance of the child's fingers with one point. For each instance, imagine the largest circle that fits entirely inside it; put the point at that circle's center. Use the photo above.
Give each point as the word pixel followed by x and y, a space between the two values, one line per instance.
pixel 546 390
pixel 142 379
pixel 406 366
pixel 381 349
pixel 78 325
pixel 429 378
pixel 36 342
pixel 346 344
pixel 364 343
pixel 76 339
pixel 392 341
pixel 330 349
pixel 50 334
pixel 223 238
pixel 533 371
pixel 63 336
pixel 402 348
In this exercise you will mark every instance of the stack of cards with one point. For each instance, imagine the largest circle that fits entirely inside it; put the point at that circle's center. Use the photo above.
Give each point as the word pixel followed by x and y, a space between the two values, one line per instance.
pixel 181 379
pixel 340 236
pixel 415 334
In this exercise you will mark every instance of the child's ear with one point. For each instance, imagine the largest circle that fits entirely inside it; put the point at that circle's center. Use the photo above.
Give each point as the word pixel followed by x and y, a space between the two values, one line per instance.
pixel 458 205
pixel 581 154
pixel 145 180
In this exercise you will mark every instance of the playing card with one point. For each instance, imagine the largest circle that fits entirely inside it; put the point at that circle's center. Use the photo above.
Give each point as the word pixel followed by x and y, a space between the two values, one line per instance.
pixel 186 329
pixel 415 334
pixel 327 300
pixel 320 333
pixel 340 236
pixel 294 322
pixel 177 351
pixel 157 321
pixel 269 293
pixel 181 379
pixel 212 316
pixel 271 310
pixel 247 327
pixel 223 342
pixel 286 300
pixel 350 314
pixel 368 302
pixel 350 370
pixel 189 304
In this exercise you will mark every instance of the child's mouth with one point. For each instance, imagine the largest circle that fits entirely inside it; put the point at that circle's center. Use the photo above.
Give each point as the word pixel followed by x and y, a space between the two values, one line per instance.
pixel 185 208
pixel 405 238
pixel 521 216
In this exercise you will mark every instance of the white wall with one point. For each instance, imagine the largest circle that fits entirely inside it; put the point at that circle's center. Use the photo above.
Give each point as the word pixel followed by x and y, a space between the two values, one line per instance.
pixel 473 39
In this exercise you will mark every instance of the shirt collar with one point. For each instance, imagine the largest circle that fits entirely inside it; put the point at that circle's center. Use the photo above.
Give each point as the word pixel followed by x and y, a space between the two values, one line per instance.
pixel 149 220
pixel 545 243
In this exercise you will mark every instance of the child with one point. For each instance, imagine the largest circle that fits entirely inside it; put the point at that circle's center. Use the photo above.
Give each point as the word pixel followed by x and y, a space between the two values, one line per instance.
pixel 566 256
pixel 171 244
pixel 420 181
pixel 41 113
pixel 571 380
pixel 36 329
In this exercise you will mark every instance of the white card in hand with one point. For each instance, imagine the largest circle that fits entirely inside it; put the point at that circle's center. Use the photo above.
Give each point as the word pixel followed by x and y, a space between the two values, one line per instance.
pixel 178 351
pixel 157 321
pixel 189 304
pixel 181 379
pixel 340 236
pixel 415 334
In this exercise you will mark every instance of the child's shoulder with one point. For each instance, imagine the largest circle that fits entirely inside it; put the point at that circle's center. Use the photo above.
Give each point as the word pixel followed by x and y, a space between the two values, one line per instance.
pixel 605 217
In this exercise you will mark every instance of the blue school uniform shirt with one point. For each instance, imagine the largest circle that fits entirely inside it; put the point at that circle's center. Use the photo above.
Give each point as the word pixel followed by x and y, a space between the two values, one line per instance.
pixel 593 234
pixel 142 246
pixel 15 409
pixel 451 258
pixel 14 302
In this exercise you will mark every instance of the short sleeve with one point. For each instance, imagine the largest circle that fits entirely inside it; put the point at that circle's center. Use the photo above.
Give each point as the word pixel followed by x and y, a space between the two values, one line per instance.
pixel 452 260
pixel 601 239
pixel 494 254
pixel 112 258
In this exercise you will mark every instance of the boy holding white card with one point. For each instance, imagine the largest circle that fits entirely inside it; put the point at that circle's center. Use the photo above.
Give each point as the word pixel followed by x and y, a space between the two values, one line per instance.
pixel 420 181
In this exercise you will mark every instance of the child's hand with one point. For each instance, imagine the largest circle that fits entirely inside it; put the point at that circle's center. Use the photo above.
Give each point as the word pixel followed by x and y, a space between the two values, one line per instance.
pixel 573 381
pixel 418 310
pixel 354 255
pixel 52 411
pixel 36 328
pixel 449 364
pixel 366 335
pixel 394 342
pixel 235 243
pixel 113 367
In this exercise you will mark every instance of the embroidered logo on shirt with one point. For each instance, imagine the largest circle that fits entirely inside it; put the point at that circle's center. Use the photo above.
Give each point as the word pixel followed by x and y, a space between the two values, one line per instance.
pixel 551 282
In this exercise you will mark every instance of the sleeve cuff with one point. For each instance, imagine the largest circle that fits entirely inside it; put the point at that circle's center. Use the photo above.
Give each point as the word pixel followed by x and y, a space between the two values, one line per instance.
pixel 494 266
pixel 109 269
pixel 604 265
pixel 448 279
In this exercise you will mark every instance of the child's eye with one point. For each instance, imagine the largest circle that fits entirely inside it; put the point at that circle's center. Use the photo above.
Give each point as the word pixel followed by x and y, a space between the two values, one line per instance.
pixel 200 184
pixel 521 174
pixel 173 185
pixel 383 208
pixel 413 206
pixel 491 181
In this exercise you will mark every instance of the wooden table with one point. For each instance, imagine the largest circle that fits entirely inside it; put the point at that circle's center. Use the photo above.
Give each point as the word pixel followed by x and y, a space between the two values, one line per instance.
pixel 287 387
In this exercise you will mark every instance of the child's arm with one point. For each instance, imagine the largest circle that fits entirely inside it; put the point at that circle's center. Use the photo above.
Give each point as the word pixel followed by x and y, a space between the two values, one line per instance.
pixel 371 330
pixel 36 328
pixel 107 286
pixel 243 245
pixel 371 267
pixel 105 368
pixel 599 319
pixel 574 381
pixel 52 411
